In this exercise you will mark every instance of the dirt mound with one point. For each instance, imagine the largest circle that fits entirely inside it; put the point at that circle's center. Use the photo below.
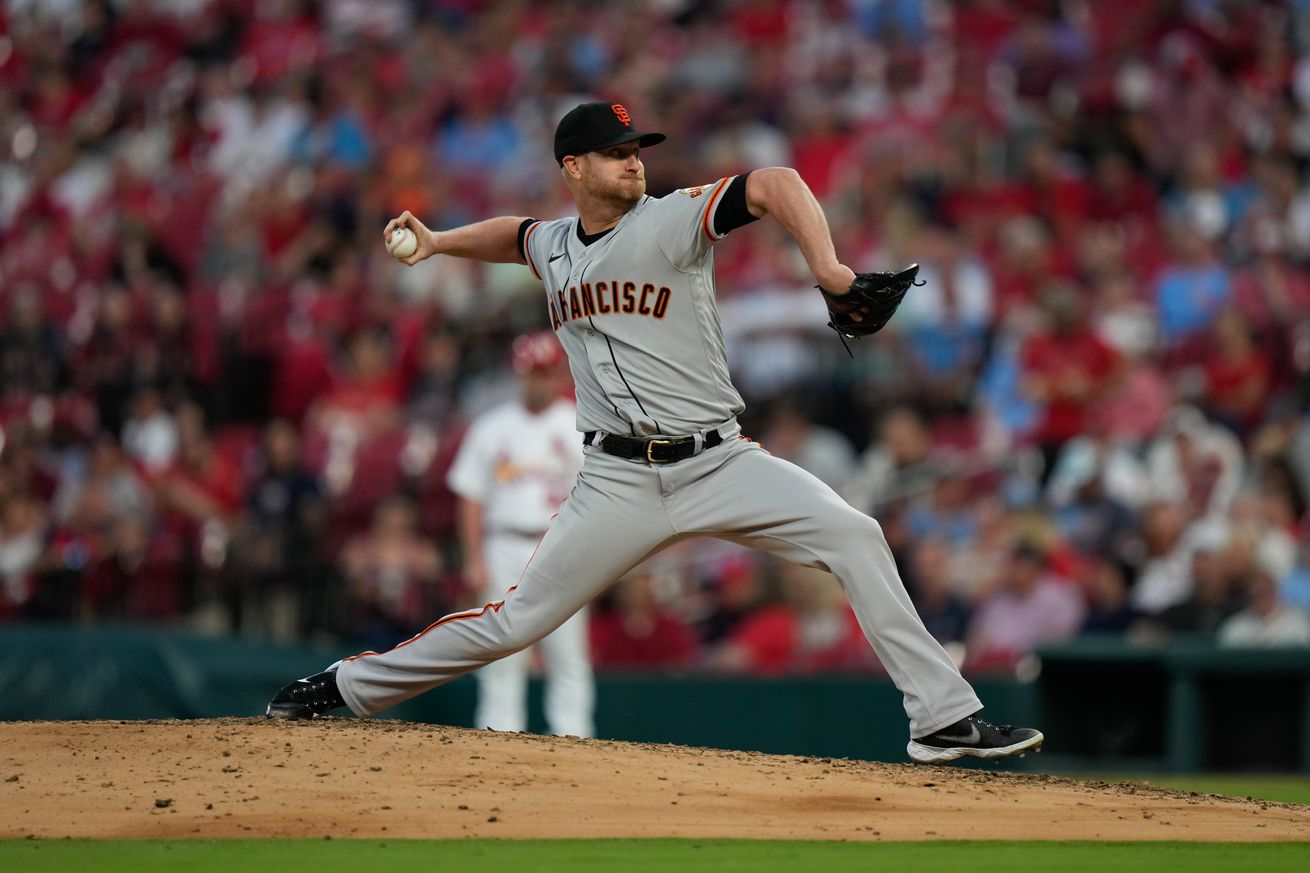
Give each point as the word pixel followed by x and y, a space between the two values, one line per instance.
pixel 352 778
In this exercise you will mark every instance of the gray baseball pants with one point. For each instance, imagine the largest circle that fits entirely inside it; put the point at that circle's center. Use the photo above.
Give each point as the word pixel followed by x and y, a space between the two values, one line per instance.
pixel 620 512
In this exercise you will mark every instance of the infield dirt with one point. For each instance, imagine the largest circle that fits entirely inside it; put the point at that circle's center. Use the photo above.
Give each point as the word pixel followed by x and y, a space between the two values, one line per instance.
pixel 345 778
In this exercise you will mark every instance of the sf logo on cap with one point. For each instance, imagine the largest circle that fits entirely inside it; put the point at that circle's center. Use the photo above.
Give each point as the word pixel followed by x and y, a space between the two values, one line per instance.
pixel 621 114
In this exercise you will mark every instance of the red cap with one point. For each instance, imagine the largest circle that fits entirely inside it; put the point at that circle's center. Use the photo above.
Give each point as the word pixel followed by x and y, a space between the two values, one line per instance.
pixel 536 351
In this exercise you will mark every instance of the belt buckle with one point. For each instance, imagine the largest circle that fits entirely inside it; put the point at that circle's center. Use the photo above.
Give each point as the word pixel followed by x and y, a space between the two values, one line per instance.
pixel 650 444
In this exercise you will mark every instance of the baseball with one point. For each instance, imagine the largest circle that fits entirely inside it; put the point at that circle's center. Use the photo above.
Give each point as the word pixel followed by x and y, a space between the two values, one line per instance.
pixel 402 243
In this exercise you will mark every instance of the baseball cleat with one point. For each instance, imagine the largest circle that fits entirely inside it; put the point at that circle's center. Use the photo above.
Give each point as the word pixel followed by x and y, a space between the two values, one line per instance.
pixel 976 737
pixel 307 698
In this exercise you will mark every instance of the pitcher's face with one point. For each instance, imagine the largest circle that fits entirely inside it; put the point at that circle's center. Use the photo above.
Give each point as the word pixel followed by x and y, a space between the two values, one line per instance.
pixel 615 174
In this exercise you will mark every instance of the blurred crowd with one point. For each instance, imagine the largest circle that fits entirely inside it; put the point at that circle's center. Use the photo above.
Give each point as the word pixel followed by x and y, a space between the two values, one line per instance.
pixel 224 406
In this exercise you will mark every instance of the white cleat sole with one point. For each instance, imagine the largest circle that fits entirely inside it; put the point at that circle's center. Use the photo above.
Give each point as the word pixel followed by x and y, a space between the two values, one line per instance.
pixel 921 754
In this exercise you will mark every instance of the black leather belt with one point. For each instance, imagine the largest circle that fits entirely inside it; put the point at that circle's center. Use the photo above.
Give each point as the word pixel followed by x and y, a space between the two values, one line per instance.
pixel 656 450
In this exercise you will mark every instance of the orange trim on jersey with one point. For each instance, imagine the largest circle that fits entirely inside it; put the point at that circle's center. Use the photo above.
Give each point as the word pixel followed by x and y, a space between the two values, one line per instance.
pixel 454 616
pixel 527 249
pixel 709 208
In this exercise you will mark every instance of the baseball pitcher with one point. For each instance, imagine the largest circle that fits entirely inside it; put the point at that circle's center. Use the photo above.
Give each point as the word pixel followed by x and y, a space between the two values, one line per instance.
pixel 629 286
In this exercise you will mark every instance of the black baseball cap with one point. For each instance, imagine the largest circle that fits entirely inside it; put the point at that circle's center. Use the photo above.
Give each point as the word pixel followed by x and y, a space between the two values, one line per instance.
pixel 591 126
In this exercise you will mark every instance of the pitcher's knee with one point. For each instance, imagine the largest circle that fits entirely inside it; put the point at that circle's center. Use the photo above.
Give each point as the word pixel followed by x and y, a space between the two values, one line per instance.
pixel 859 527
pixel 509 646
pixel 518 636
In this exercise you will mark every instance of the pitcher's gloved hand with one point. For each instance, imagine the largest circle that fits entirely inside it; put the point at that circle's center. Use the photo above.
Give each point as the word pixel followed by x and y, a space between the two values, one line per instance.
pixel 871 302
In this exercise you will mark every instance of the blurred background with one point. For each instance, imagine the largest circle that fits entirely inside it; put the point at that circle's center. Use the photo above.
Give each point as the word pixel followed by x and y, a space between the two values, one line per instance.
pixel 226 414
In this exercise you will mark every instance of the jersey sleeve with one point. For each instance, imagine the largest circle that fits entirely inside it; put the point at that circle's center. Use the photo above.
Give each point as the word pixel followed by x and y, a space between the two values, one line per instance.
pixel 687 228
pixel 733 211
pixel 528 236
pixel 470 475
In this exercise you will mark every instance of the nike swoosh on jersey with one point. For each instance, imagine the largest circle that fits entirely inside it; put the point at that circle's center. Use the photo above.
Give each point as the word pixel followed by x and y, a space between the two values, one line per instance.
pixel 553 258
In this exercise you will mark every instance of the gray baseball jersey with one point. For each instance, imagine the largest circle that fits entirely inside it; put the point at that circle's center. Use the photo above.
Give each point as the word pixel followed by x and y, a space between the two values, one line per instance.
pixel 635 311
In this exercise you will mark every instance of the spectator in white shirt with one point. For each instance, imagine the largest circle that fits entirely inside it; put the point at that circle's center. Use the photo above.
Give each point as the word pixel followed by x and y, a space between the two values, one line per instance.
pixel 1267 621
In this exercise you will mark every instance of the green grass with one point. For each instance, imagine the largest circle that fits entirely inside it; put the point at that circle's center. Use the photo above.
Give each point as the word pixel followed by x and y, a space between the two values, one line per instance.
pixel 640 856
pixel 1287 789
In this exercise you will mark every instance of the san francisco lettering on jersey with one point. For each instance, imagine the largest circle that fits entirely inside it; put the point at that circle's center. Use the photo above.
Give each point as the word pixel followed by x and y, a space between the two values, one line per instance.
pixel 609 298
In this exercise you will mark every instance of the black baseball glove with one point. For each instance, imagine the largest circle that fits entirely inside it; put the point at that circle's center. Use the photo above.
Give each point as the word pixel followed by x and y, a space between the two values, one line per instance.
pixel 870 303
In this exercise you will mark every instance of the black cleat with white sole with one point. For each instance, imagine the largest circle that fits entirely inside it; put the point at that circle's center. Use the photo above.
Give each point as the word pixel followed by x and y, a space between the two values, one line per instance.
pixel 307 698
pixel 975 737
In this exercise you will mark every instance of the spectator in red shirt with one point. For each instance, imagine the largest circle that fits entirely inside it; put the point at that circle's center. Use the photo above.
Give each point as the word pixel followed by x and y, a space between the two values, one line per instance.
pixel 812 630
pixel 637 632
pixel 201 496
pixel 283 38
pixel 818 145
pixel 762 642
pixel 391 572
pixel 204 484
pixel 1026 257
pixel 1066 367
pixel 302 373
pixel 1120 194
pixel 366 398
pixel 1238 374
pixel 1053 189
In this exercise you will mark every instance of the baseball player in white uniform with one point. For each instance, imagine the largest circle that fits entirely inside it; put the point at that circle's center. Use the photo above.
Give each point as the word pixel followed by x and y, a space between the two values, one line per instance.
pixel 515 466
pixel 630 291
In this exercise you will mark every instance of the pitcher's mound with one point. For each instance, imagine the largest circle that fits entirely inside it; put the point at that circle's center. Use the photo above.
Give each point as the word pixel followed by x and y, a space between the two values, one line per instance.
pixel 352 778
